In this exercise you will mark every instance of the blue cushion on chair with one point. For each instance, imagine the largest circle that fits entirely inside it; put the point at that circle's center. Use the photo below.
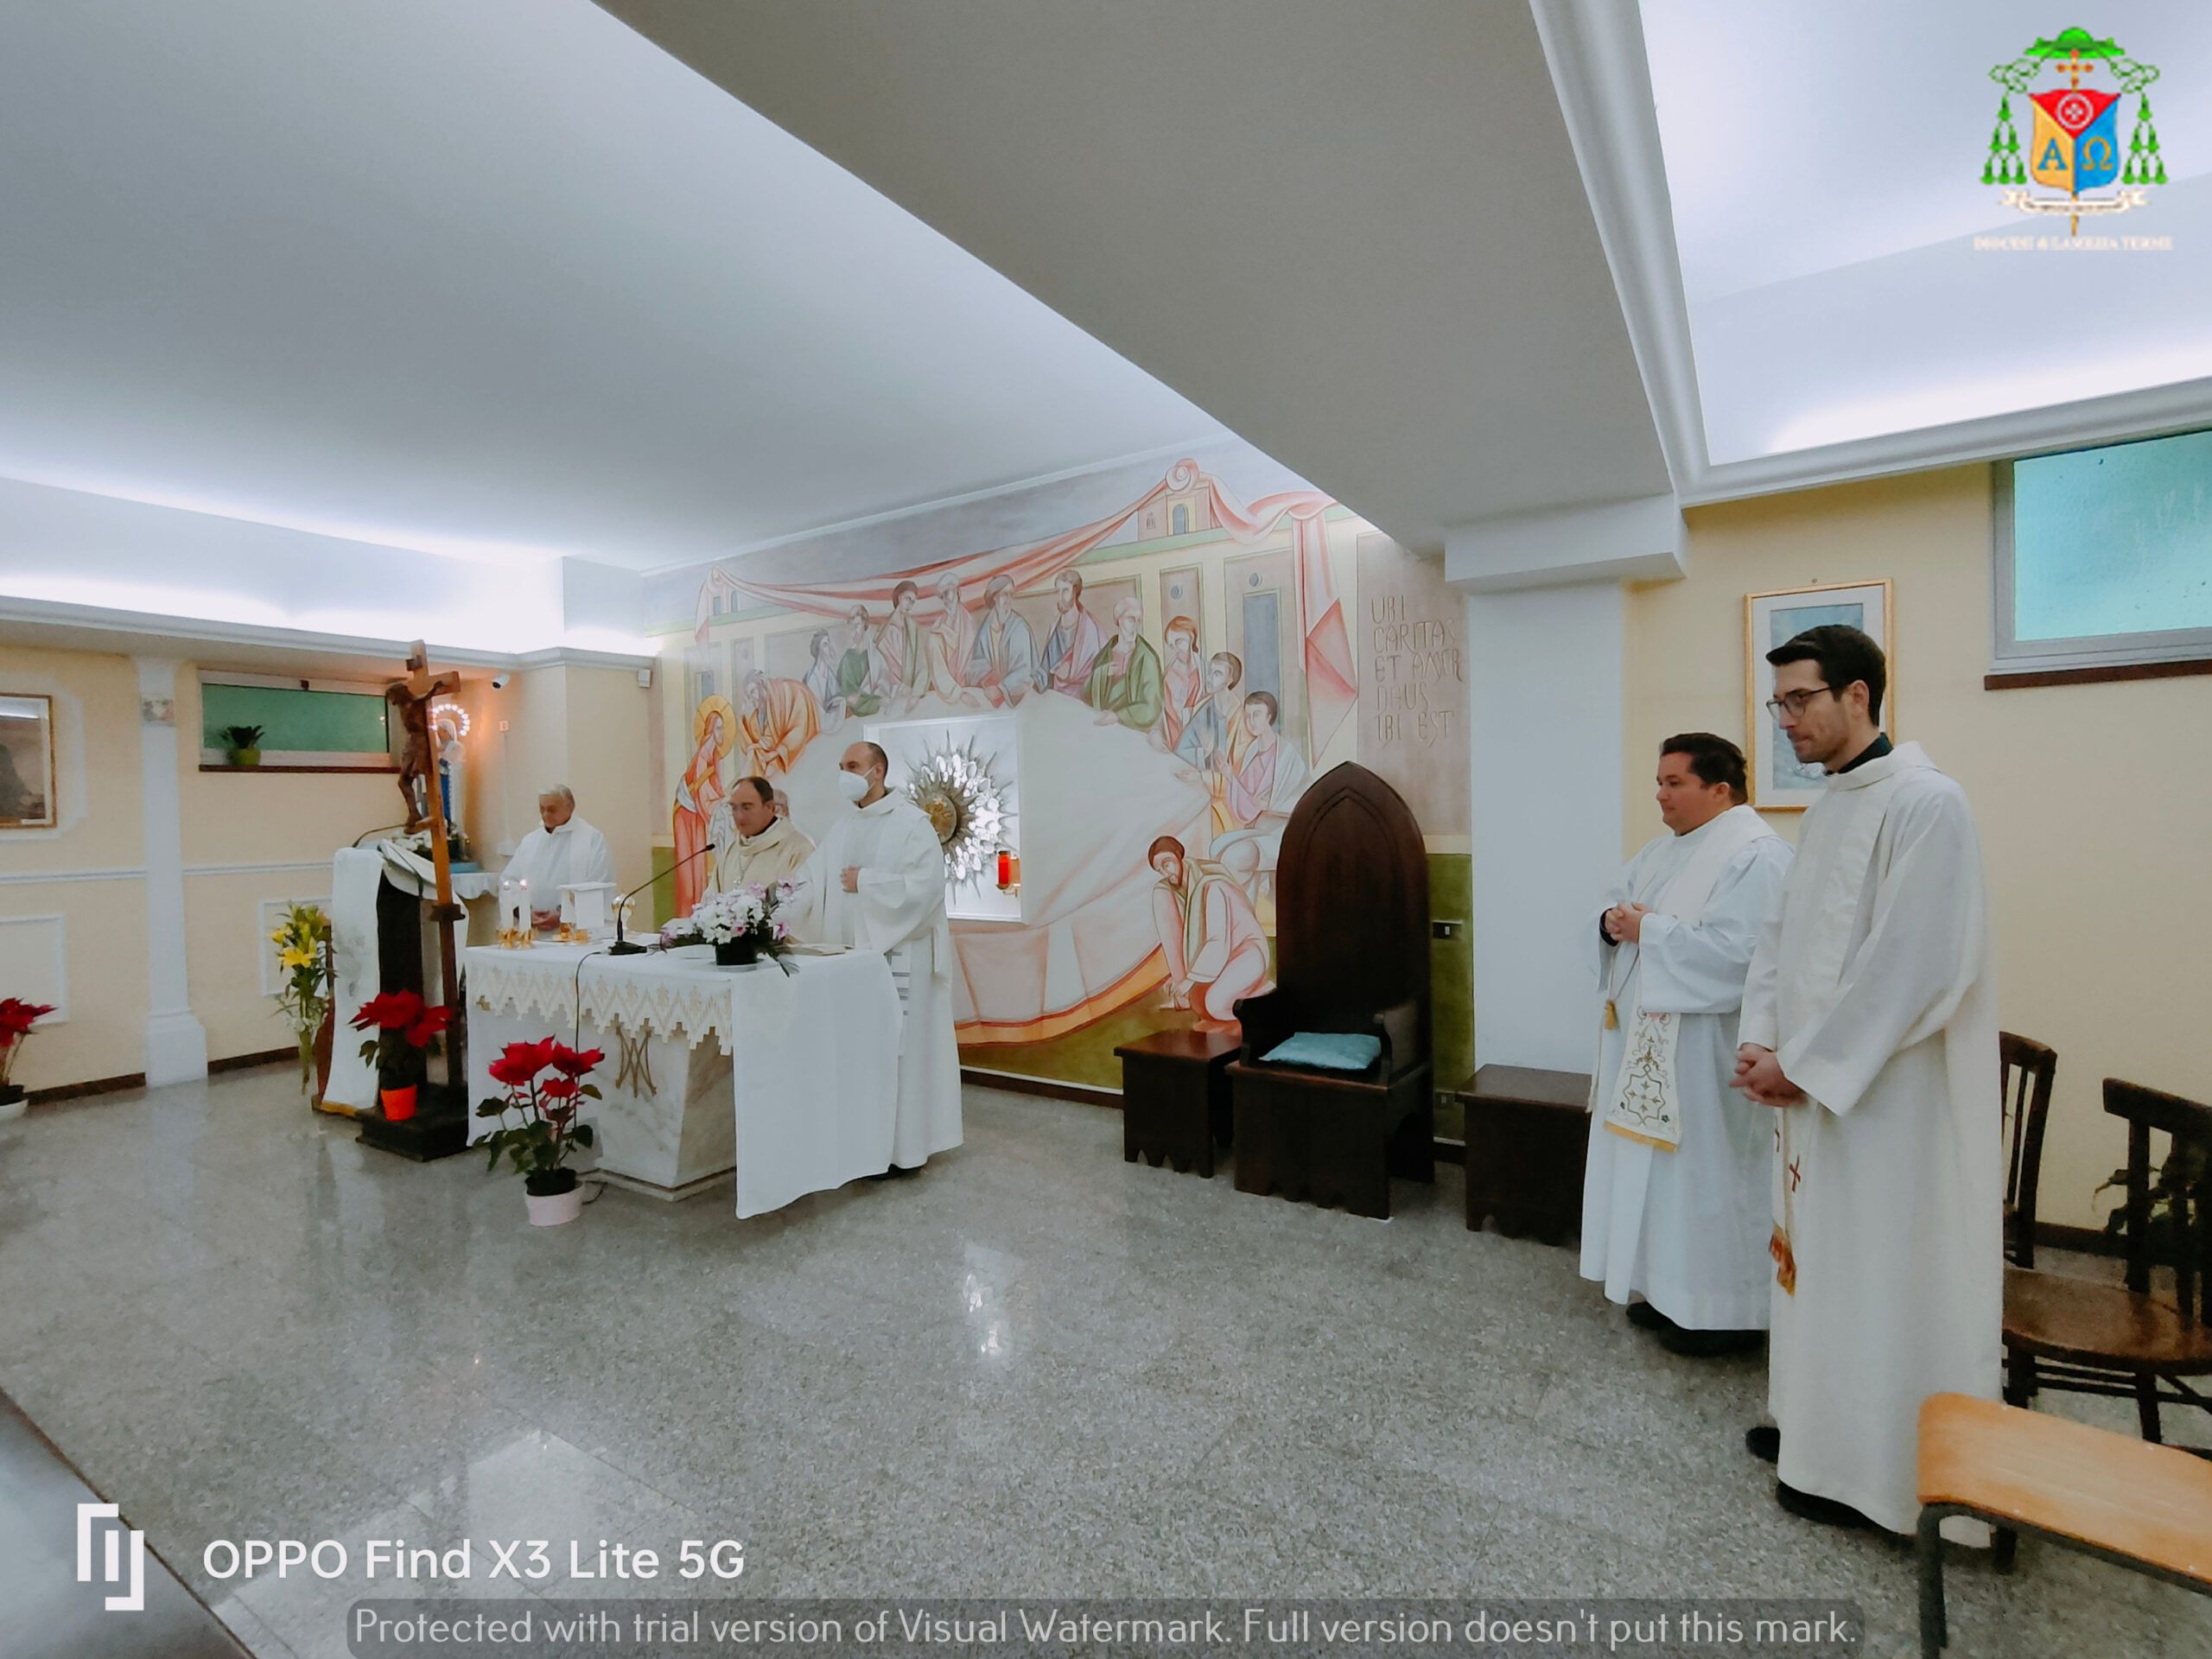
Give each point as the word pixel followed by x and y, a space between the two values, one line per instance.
pixel 1331 1051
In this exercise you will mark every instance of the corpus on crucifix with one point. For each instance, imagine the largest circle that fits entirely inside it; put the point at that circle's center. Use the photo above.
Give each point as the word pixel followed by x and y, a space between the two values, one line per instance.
pixel 418 785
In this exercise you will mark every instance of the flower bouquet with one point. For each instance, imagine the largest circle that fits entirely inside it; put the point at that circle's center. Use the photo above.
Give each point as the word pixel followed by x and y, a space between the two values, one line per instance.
pixel 16 1019
pixel 404 1029
pixel 305 1000
pixel 743 926
pixel 544 1085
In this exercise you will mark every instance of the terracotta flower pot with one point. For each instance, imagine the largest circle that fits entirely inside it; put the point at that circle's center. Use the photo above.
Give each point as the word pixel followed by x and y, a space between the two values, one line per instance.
pixel 398 1103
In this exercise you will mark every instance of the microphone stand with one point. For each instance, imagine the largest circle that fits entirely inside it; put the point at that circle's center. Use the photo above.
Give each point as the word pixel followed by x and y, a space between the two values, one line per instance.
pixel 622 947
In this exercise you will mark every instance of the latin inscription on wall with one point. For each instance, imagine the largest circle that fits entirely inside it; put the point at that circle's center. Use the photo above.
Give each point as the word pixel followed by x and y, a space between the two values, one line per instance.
pixel 1410 635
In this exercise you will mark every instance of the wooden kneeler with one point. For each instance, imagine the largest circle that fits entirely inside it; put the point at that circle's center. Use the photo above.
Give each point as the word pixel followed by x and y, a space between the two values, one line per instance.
pixel 2129 1501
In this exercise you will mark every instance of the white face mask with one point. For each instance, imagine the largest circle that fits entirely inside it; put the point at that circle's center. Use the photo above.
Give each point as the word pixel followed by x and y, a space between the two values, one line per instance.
pixel 853 785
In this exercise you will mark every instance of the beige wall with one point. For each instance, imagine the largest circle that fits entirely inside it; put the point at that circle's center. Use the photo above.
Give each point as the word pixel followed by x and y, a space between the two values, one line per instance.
pixel 2092 800
pixel 264 836
pixel 103 913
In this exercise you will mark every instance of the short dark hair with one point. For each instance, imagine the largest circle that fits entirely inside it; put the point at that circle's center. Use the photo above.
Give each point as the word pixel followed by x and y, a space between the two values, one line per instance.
pixel 881 759
pixel 1266 701
pixel 903 589
pixel 1713 760
pixel 1844 654
pixel 1164 844
pixel 763 790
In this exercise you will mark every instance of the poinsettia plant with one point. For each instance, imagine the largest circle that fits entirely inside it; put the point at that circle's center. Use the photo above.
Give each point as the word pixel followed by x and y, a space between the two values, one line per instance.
pixel 543 1084
pixel 404 1029
pixel 16 1019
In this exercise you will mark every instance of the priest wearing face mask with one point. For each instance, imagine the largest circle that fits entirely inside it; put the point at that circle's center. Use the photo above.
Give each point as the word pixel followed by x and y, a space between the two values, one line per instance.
pixel 1675 1206
pixel 561 851
pixel 877 883
pixel 768 847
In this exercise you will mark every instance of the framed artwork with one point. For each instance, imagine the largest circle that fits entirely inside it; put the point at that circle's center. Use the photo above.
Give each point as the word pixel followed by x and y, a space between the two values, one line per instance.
pixel 26 761
pixel 1779 783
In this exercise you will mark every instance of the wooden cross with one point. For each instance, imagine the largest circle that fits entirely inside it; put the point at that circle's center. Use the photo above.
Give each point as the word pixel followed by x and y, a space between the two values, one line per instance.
pixel 412 696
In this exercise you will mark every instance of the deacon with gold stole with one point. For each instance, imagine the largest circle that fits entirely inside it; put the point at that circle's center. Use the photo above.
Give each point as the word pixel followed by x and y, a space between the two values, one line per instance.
pixel 767 848
pixel 1675 1192
pixel 1869 1026
pixel 877 883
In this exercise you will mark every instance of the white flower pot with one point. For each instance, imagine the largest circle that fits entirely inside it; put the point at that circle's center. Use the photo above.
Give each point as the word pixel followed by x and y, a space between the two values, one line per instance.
pixel 11 1109
pixel 556 1208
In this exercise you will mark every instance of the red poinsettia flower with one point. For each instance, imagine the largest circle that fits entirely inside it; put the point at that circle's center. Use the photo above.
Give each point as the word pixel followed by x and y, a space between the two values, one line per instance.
pixel 390 1011
pixel 519 1062
pixel 17 1017
pixel 575 1062
pixel 558 1088
pixel 428 1024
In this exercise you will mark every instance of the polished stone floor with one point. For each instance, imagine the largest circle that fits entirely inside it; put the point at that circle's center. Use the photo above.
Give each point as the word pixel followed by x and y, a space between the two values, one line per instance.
pixel 1033 1368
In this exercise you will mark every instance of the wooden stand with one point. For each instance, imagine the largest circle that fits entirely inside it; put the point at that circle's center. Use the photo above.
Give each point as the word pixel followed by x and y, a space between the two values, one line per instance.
pixel 1175 1098
pixel 1528 1138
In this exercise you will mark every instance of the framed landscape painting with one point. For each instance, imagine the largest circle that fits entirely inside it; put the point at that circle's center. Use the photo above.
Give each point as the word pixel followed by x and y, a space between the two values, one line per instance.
pixel 1779 784
pixel 26 761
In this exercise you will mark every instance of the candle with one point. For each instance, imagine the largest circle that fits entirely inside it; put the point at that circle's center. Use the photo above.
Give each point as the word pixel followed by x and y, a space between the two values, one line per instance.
pixel 1006 869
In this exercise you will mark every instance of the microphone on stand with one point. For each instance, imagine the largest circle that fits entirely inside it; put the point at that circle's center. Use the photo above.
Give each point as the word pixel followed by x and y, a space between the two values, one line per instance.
pixel 622 947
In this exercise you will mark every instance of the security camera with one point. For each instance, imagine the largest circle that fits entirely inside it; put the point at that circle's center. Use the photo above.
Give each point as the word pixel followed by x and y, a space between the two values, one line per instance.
pixel 499 682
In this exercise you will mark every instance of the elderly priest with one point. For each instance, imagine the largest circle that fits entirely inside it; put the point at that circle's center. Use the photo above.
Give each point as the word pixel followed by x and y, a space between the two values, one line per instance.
pixel 564 851
pixel 1675 1196
pixel 768 847
pixel 1870 1026
pixel 877 883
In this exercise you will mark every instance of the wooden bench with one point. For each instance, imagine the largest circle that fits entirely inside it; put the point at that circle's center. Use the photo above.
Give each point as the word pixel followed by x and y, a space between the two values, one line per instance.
pixel 2145 1506
pixel 1175 1101
pixel 1528 1137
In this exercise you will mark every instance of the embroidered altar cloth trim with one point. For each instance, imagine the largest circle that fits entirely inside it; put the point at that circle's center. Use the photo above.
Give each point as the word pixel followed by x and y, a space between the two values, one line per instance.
pixel 683 1002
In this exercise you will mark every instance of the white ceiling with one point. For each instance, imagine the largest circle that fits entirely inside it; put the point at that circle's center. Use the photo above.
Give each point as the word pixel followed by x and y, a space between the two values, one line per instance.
pixel 1355 233
pixel 1823 166
pixel 496 279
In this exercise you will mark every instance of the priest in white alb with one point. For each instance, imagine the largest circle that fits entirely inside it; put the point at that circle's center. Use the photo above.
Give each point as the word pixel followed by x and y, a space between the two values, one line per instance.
pixel 1870 1026
pixel 767 846
pixel 877 883
pixel 1676 1194
pixel 562 851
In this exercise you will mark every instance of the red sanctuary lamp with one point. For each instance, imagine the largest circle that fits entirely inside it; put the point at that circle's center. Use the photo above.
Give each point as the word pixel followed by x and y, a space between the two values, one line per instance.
pixel 1009 870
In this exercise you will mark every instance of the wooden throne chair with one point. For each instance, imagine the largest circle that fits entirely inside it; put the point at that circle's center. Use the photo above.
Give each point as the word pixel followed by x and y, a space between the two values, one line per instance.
pixel 1351 939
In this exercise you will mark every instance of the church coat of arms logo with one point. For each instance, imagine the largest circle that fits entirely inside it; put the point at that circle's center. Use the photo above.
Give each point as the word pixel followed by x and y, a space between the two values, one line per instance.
pixel 2072 147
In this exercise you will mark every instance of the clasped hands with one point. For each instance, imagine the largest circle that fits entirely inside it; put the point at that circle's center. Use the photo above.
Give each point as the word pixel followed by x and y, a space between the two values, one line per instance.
pixel 1623 924
pixel 1758 1074
pixel 852 878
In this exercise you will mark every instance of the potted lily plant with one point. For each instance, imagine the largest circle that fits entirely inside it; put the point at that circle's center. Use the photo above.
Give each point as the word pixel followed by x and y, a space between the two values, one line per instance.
pixel 405 1029
pixel 243 745
pixel 16 1019
pixel 302 945
pixel 743 926
pixel 544 1088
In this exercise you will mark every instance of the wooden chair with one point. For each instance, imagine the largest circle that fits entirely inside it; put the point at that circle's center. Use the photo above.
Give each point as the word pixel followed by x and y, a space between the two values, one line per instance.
pixel 1352 909
pixel 2147 1507
pixel 2127 1339
pixel 2029 1067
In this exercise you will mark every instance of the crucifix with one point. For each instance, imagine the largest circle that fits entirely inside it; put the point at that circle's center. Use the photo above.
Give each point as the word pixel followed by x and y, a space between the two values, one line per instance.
pixel 418 762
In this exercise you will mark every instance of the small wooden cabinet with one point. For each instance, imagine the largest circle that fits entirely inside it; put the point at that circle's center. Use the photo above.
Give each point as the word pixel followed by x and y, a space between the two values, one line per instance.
pixel 1175 1096
pixel 1528 1137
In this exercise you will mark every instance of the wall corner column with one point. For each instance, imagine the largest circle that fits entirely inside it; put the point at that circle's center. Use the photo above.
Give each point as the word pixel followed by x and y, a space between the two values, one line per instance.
pixel 176 1043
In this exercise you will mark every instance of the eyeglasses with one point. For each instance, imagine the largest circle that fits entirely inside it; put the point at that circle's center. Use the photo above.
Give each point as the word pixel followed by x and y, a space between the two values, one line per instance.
pixel 1794 704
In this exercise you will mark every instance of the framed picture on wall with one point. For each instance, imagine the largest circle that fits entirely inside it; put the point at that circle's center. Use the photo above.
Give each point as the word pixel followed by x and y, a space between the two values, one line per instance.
pixel 26 760
pixel 1779 783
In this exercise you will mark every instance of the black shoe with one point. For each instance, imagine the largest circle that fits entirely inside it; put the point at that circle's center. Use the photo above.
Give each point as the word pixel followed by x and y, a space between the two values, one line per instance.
pixel 1644 1316
pixel 1811 1506
pixel 1708 1345
pixel 1764 1442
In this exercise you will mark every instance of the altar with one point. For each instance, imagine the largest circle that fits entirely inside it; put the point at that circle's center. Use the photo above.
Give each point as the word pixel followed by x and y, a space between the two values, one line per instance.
pixel 790 1080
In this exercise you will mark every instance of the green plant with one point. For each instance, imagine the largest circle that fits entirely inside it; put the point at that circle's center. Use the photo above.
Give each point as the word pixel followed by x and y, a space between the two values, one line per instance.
pixel 539 1145
pixel 242 737
pixel 2180 1172
pixel 305 999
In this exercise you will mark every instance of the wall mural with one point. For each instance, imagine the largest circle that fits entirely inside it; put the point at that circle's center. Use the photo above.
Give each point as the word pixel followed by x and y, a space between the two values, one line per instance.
pixel 1175 671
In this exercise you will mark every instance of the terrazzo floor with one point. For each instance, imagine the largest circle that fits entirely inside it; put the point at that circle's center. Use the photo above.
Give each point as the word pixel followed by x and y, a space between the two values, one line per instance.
pixel 1032 1370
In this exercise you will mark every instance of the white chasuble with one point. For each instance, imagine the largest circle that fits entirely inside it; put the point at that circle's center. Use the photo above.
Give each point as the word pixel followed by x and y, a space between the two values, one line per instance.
pixel 550 859
pixel 899 910
pixel 1675 1204
pixel 1873 988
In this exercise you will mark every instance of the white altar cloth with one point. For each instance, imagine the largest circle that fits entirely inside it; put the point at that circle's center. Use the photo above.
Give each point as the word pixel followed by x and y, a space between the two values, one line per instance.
pixel 812 1057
